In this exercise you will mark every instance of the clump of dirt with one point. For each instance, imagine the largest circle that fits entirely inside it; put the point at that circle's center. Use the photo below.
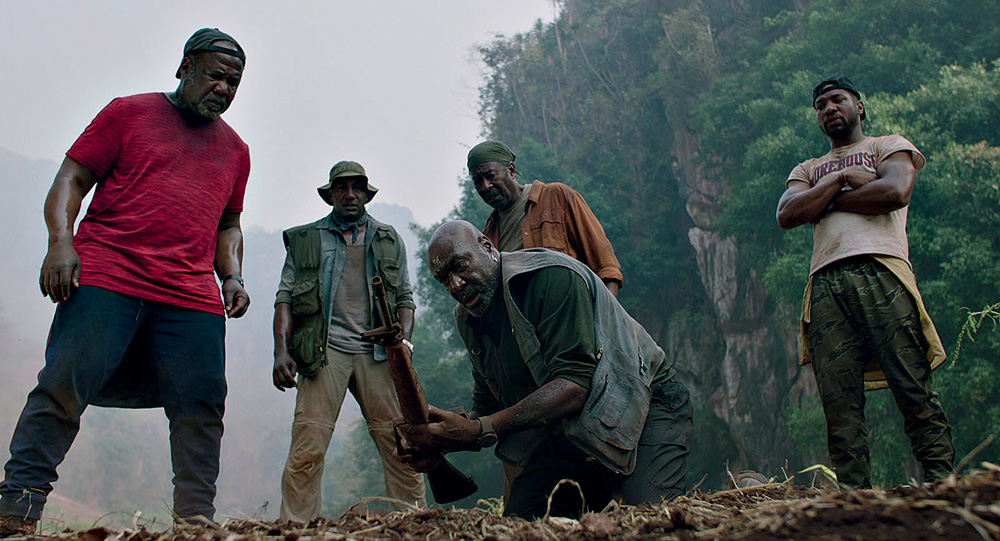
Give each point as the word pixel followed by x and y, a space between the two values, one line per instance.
pixel 965 507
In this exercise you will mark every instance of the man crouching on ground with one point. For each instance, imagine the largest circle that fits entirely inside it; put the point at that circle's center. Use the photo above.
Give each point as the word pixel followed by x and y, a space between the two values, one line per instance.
pixel 627 440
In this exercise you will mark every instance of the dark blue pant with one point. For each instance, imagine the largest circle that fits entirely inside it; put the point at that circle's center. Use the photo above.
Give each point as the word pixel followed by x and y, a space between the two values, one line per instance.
pixel 98 337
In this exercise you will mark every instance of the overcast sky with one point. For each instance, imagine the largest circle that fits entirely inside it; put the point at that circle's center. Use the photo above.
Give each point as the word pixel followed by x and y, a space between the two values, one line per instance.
pixel 393 85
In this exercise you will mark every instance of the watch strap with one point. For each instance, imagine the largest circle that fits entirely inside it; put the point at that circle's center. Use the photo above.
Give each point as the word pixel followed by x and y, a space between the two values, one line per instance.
pixel 488 436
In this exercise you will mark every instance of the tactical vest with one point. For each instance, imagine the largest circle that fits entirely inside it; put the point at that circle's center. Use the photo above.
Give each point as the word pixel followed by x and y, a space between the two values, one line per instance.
pixel 611 421
pixel 310 313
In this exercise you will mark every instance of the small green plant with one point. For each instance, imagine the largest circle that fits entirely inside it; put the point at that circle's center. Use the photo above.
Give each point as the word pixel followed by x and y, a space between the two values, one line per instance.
pixel 825 470
pixel 972 325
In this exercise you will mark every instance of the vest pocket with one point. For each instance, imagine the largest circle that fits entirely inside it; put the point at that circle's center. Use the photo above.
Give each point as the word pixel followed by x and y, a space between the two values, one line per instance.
pixel 304 346
pixel 305 298
pixel 621 407
pixel 391 275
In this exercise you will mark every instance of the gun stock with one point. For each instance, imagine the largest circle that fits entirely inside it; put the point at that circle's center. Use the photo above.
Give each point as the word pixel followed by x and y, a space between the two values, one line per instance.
pixel 448 484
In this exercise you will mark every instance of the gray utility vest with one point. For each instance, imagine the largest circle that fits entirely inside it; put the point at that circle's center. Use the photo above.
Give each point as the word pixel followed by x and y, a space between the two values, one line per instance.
pixel 310 313
pixel 611 422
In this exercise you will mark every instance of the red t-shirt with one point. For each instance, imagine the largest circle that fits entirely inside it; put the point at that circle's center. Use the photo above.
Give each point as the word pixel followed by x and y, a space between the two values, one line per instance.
pixel 163 185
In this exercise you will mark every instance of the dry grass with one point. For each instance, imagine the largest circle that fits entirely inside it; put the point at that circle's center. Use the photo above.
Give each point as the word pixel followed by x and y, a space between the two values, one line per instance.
pixel 956 508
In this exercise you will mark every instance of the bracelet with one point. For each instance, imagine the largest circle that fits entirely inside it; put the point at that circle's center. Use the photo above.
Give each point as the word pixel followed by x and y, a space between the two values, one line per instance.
pixel 236 277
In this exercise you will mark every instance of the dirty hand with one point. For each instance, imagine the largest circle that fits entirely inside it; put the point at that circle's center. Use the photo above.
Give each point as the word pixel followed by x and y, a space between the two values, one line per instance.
pixel 283 374
pixel 237 300
pixel 60 272
pixel 445 432
pixel 856 179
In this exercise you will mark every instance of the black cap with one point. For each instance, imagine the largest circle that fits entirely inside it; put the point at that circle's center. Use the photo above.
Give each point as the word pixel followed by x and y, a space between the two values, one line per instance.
pixel 203 39
pixel 833 83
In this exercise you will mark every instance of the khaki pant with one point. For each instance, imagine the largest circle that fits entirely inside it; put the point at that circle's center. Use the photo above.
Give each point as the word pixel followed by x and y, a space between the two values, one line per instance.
pixel 317 406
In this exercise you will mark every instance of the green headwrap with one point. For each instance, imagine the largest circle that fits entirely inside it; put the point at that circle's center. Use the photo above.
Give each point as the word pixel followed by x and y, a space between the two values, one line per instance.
pixel 490 151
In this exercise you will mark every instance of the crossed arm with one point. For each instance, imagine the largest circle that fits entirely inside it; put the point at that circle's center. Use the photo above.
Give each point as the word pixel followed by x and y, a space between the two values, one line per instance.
pixel 888 189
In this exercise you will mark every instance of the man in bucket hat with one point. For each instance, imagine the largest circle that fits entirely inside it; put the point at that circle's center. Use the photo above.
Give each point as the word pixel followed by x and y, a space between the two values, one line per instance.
pixel 864 325
pixel 323 304
pixel 140 320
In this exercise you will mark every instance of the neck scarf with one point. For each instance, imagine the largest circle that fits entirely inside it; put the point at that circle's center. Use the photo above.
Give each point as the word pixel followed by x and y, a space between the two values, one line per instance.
pixel 343 225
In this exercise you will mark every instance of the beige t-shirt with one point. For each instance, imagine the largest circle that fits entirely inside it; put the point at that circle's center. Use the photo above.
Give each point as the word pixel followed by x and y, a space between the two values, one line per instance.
pixel 839 235
pixel 512 221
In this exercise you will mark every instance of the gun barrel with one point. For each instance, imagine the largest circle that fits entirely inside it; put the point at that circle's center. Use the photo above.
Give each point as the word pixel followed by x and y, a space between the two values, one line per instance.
pixel 448 484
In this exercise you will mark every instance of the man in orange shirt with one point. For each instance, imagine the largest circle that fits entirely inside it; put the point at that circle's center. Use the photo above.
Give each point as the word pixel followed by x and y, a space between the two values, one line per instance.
pixel 539 215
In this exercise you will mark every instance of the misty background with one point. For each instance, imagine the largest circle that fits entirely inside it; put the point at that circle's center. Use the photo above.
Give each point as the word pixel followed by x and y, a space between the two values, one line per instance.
pixel 392 85
pixel 120 462
pixel 677 120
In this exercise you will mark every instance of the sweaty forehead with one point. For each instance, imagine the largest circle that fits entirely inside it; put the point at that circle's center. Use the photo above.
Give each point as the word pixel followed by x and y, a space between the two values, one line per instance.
pixel 444 253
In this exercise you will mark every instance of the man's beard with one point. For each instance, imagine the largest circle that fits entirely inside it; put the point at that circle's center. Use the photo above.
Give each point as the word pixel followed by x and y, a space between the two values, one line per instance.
pixel 211 108
pixel 486 292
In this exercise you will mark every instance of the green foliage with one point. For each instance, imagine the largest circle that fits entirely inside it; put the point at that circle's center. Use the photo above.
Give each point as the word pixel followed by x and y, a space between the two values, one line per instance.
pixel 711 447
pixel 807 427
pixel 928 72
pixel 972 325
pixel 609 96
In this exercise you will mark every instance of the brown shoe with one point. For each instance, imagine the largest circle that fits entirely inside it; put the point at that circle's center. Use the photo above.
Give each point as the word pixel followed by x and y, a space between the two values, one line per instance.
pixel 11 525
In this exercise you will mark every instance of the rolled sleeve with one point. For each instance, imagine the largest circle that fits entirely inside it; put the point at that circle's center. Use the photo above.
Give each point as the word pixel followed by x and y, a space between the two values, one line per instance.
pixel 404 297
pixel 284 293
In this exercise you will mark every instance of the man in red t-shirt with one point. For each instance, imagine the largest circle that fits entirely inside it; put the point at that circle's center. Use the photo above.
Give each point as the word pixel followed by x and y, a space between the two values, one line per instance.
pixel 140 321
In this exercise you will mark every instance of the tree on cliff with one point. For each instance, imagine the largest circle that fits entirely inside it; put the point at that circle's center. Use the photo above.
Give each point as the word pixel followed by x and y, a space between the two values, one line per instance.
pixel 679 122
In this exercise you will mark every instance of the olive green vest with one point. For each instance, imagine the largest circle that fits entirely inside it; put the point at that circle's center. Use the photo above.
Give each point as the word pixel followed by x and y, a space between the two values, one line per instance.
pixel 611 422
pixel 310 312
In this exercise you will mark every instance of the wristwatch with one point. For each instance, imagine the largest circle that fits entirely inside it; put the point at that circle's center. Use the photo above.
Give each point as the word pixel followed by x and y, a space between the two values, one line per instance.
pixel 488 437
pixel 236 277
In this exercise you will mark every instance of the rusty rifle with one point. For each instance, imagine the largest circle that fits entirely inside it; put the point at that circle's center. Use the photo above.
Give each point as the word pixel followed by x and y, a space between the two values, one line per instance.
pixel 448 484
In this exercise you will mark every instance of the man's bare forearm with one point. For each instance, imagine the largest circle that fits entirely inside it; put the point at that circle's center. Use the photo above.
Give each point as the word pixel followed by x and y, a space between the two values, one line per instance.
pixel 229 247
pixel 282 326
pixel 890 188
pixel 405 318
pixel 807 204
pixel 62 204
pixel 547 405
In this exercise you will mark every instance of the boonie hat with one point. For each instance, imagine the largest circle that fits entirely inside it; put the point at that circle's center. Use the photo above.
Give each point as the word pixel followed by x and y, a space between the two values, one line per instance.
pixel 345 169
pixel 833 83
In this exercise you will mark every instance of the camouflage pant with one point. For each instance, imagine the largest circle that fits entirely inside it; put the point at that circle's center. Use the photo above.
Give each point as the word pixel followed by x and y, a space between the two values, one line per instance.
pixel 862 313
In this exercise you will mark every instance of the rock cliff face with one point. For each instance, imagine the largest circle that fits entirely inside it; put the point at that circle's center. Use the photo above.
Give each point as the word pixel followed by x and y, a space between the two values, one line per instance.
pixel 756 377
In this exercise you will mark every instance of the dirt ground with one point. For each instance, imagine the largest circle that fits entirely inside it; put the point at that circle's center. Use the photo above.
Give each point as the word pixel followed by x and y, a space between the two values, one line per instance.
pixel 956 508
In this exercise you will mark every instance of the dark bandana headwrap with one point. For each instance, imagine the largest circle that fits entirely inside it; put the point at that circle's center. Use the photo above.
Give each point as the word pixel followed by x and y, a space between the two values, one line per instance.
pixel 344 226
pixel 203 39
pixel 490 151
